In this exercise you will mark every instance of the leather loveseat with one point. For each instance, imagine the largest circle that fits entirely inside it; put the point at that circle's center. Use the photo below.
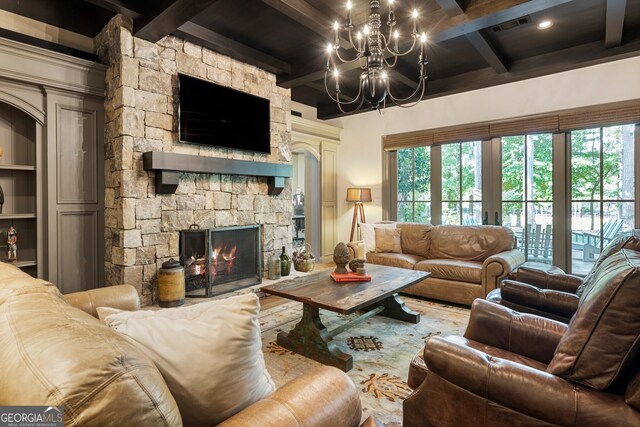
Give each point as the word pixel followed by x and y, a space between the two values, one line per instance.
pixel 518 369
pixel 548 291
pixel 466 262
pixel 55 353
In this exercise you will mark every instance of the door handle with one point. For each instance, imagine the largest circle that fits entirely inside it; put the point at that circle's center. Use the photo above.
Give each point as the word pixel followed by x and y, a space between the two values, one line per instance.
pixel 485 219
pixel 497 220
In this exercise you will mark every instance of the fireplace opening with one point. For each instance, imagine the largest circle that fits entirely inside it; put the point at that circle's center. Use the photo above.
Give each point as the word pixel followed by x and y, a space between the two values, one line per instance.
pixel 220 260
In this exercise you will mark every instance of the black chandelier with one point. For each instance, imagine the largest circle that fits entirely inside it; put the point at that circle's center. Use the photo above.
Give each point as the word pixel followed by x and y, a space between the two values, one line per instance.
pixel 377 55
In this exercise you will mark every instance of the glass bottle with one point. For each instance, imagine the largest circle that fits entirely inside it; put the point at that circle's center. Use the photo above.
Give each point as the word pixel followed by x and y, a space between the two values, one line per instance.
pixel 285 263
pixel 273 267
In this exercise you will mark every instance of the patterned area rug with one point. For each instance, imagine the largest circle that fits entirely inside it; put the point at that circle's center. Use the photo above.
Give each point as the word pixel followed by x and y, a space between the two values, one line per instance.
pixel 382 349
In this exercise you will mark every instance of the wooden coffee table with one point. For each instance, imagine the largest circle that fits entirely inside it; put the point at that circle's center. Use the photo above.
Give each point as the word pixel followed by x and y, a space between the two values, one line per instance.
pixel 318 290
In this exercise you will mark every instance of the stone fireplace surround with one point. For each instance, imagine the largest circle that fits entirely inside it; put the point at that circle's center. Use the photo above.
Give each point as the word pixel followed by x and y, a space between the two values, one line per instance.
pixel 142 227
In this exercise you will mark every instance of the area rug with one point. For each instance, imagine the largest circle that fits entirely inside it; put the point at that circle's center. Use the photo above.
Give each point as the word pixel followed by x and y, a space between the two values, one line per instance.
pixel 382 349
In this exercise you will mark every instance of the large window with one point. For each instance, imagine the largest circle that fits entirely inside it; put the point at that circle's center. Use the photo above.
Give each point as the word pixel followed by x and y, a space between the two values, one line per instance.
pixel 602 190
pixel 527 197
pixel 462 183
pixel 414 185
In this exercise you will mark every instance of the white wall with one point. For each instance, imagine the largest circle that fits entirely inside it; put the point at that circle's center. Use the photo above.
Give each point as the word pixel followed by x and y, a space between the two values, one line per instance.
pixel 360 151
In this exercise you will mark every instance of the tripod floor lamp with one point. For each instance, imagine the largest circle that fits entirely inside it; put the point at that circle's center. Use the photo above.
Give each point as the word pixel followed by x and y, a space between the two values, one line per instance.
pixel 359 196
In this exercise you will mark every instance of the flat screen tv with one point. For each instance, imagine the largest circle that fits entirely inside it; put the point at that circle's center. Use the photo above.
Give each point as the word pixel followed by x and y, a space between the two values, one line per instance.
pixel 215 115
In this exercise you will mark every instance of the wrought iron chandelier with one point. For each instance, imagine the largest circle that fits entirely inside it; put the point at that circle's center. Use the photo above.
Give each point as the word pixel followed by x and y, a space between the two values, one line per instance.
pixel 377 55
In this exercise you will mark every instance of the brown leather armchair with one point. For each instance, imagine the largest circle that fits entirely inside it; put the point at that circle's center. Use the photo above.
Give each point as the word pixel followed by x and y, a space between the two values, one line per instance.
pixel 515 369
pixel 548 291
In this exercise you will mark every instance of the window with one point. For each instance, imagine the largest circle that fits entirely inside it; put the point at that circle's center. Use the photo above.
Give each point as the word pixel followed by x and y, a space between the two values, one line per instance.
pixel 602 190
pixel 414 185
pixel 462 183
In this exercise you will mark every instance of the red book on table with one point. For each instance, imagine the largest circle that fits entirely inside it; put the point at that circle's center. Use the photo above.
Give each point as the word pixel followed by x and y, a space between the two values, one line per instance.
pixel 350 277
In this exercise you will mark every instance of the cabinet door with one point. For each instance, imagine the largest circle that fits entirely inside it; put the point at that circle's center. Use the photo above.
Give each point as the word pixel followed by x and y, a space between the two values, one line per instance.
pixel 75 158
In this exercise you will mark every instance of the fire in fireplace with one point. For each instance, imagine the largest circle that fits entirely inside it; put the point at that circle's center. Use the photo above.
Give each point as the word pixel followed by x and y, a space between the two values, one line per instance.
pixel 220 260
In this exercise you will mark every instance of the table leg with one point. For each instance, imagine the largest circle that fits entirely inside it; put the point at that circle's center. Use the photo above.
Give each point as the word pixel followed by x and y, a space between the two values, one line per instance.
pixel 311 338
pixel 395 308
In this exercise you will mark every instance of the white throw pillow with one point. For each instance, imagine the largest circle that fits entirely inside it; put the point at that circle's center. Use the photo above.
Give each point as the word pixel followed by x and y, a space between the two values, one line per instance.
pixel 367 231
pixel 210 354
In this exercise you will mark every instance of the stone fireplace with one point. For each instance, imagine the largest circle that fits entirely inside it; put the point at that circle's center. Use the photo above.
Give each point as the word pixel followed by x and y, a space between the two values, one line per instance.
pixel 142 227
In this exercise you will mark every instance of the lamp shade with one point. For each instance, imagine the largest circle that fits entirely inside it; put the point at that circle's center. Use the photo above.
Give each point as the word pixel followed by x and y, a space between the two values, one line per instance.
pixel 358 194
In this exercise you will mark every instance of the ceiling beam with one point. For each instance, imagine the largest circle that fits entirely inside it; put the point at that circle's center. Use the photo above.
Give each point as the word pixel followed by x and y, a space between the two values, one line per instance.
pixel 320 88
pixel 488 51
pixel 201 35
pixel 163 21
pixel 308 16
pixel 452 7
pixel 584 55
pixel 117 6
pixel 478 15
pixel 615 22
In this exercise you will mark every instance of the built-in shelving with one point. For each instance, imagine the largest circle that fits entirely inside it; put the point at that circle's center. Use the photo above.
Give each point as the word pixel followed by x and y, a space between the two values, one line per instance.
pixel 18 182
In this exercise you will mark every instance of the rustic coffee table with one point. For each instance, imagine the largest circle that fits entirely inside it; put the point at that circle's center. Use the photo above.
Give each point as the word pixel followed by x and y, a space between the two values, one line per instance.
pixel 318 290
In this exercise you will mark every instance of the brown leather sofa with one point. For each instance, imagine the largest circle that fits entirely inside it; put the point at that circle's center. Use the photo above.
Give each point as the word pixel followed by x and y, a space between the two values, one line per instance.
pixel 466 262
pixel 548 291
pixel 515 369
pixel 55 353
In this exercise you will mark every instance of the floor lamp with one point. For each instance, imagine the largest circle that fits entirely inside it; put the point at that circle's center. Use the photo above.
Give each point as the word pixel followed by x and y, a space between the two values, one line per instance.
pixel 359 196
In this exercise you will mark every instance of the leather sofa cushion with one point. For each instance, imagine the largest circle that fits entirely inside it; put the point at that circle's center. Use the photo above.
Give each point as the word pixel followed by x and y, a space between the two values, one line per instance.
pixel 462 271
pixel 602 342
pixel 394 260
pixel 628 240
pixel 469 243
pixel 55 354
pixel 415 238
pixel 388 240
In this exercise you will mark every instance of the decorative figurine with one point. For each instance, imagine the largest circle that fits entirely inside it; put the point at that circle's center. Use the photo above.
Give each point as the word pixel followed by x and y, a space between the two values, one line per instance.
pixel 1 199
pixel 341 257
pixel 12 248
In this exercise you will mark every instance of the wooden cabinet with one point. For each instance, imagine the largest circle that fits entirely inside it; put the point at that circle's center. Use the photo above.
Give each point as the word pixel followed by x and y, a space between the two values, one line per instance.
pixel 18 180
pixel 51 171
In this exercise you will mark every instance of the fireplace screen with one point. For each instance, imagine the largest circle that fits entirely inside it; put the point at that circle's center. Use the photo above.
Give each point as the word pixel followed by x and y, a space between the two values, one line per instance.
pixel 220 260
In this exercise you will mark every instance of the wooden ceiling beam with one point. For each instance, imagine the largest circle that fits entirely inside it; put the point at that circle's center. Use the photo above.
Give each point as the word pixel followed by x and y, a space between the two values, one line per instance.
pixel 164 21
pixel 307 15
pixel 488 51
pixel 452 7
pixel 201 35
pixel 116 6
pixel 478 15
pixel 584 55
pixel 615 22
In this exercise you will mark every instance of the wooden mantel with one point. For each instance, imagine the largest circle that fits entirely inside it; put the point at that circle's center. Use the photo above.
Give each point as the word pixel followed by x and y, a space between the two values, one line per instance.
pixel 167 167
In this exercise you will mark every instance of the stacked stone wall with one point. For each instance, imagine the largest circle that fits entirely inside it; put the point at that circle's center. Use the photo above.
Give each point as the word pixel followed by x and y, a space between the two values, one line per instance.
pixel 141 109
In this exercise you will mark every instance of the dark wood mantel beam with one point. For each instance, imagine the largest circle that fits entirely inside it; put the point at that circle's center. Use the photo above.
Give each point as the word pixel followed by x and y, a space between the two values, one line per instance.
pixel 164 21
pixel 440 27
pixel 615 22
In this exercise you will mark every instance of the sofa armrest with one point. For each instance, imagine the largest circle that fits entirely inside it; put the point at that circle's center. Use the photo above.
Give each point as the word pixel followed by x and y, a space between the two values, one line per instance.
pixel 548 279
pixel 498 266
pixel 520 388
pixel 124 297
pixel 547 300
pixel 501 327
pixel 322 397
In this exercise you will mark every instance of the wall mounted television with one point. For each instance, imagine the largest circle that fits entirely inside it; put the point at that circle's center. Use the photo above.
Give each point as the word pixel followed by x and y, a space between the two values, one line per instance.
pixel 210 114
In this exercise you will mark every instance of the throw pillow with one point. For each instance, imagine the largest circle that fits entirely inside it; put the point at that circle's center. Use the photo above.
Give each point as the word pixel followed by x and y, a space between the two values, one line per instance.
pixel 210 354
pixel 388 240
pixel 368 234
pixel 602 342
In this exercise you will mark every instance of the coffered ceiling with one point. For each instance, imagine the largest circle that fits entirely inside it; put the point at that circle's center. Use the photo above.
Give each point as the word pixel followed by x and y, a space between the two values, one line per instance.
pixel 472 43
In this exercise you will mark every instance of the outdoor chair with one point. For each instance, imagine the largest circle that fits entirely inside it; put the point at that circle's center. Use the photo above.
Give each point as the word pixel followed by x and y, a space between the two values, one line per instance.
pixel 589 242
